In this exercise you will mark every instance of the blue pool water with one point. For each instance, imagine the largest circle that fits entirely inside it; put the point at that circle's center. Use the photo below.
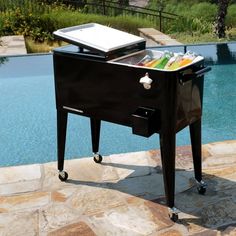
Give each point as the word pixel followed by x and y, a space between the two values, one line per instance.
pixel 28 113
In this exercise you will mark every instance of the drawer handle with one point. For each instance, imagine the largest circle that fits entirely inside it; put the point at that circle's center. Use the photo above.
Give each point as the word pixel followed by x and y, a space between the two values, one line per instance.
pixel 146 81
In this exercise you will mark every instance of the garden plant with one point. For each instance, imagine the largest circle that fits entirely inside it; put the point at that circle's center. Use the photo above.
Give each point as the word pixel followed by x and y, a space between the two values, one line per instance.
pixel 37 20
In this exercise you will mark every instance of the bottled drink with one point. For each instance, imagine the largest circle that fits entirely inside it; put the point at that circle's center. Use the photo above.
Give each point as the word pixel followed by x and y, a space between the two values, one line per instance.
pixel 164 60
pixel 187 59
pixel 152 62
pixel 144 60
pixel 174 63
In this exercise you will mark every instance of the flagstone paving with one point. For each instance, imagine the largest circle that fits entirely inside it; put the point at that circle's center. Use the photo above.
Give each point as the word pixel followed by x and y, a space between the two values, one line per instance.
pixel 124 195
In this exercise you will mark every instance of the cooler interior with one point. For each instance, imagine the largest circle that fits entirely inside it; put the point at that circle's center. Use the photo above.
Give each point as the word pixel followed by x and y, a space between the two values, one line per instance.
pixel 134 59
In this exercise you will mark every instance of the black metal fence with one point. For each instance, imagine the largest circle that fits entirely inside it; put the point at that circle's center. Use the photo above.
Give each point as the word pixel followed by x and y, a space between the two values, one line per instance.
pixel 104 7
pixel 114 8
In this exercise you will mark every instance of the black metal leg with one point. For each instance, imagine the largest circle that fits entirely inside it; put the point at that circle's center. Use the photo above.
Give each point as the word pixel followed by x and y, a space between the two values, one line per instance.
pixel 167 144
pixel 95 132
pixel 196 141
pixel 61 137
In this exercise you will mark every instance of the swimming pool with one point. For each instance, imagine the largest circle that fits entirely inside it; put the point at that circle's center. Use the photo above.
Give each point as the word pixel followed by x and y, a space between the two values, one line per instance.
pixel 28 113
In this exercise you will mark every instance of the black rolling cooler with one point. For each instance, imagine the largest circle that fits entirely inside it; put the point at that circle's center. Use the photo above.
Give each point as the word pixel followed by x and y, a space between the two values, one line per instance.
pixel 97 77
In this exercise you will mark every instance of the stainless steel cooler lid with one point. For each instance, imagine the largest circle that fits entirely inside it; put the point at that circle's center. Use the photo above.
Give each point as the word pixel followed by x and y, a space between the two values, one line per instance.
pixel 98 37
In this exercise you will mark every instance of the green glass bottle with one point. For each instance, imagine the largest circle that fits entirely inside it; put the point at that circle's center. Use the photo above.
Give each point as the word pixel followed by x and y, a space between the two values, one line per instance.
pixel 164 60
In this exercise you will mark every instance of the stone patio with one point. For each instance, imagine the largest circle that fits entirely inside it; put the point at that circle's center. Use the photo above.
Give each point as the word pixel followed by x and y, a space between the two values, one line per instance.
pixel 122 196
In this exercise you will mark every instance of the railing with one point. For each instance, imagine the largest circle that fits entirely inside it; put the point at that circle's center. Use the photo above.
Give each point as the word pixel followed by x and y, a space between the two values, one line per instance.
pixel 111 8
pixel 103 7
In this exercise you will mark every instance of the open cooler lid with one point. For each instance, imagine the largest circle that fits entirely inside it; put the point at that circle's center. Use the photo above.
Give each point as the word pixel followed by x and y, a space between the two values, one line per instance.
pixel 99 38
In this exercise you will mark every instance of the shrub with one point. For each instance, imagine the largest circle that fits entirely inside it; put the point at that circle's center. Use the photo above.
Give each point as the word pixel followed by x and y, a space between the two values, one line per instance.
pixel 61 19
pixel 17 22
pixel 38 19
pixel 187 24
pixel 40 26
pixel 204 11
pixel 231 16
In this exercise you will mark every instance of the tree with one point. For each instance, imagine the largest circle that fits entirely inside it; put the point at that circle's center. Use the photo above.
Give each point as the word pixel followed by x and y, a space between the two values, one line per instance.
pixel 220 19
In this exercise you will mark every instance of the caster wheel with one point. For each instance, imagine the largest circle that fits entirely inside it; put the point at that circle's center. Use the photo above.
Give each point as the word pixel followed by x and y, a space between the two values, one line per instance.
pixel 174 217
pixel 201 187
pixel 97 158
pixel 173 214
pixel 201 190
pixel 63 176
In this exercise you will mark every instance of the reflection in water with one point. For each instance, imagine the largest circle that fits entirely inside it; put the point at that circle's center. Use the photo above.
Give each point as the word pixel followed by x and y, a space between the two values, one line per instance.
pixel 3 60
pixel 224 55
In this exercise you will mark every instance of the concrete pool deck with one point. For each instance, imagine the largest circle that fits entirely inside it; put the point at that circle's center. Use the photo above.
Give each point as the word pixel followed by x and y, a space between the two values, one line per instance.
pixel 122 196
pixel 12 45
